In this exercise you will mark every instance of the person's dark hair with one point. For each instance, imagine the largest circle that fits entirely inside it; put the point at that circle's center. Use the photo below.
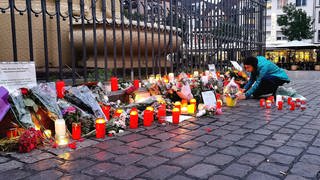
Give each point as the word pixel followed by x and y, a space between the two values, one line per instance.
pixel 253 61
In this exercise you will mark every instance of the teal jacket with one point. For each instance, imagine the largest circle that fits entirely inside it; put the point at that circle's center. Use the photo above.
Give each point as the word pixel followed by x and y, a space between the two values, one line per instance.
pixel 265 69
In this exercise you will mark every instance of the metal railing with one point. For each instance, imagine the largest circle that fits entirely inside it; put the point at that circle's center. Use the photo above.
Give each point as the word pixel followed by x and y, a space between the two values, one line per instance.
pixel 87 40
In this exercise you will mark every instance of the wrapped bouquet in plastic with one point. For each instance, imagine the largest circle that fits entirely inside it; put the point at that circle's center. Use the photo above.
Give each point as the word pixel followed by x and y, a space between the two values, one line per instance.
pixel 230 93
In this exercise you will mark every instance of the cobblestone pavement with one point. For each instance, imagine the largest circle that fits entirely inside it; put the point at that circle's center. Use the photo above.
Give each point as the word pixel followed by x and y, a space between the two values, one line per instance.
pixel 246 142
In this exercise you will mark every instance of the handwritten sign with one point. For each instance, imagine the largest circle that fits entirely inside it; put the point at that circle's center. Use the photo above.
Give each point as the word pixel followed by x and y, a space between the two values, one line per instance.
pixel 236 65
pixel 209 98
pixel 15 75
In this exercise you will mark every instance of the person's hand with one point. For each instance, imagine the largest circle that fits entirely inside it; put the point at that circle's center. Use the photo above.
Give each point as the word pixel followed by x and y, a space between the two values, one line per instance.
pixel 241 96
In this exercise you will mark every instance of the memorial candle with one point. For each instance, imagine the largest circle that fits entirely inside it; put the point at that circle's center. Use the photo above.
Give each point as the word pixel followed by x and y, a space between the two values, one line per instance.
pixel 136 84
pixel 76 131
pixel 175 116
pixel 161 114
pixel 60 89
pixel 47 133
pixel 114 83
pixel 106 111
pixel 12 132
pixel 171 77
pixel 177 104
pixel 184 102
pixel 280 105
pixel 194 102
pixel 60 127
pixel 303 105
pixel 191 108
pixel 268 104
pixel 184 110
pixel 100 128
pixel 289 100
pixel 195 73
pixel 118 112
pixel 133 119
pixel 147 118
pixel 298 103
pixel 292 106
pixel 262 102
pixel 219 104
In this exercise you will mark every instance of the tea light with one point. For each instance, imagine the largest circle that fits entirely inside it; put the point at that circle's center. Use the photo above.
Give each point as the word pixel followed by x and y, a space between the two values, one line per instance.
pixel 268 104
pixel 76 131
pixel 114 83
pixel 60 89
pixel 303 105
pixel 184 110
pixel 280 105
pixel 262 102
pixel 147 118
pixel 60 127
pixel 136 84
pixel 292 106
pixel 175 116
pixel 100 128
pixel 133 119
pixel 47 133
pixel 195 73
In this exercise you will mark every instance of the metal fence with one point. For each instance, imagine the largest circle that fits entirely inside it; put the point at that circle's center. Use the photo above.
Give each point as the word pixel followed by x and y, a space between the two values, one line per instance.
pixel 87 40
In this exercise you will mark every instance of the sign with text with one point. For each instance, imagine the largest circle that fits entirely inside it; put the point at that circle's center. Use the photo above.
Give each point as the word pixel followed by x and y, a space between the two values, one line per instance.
pixel 212 69
pixel 236 65
pixel 15 75
pixel 209 98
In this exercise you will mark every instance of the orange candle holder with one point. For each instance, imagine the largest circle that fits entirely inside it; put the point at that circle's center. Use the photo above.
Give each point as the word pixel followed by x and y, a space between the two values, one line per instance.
pixel 76 131
pixel 175 116
pixel 134 119
pixel 147 118
pixel 100 128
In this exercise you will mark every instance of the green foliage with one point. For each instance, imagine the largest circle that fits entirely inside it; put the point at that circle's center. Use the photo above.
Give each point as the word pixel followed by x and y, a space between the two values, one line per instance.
pixel 295 23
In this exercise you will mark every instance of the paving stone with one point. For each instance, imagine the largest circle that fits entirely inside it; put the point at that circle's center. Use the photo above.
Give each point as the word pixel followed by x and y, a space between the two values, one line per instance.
pixel 247 143
pixel 180 131
pixel 273 143
pixel 77 165
pixel 15 174
pixel 286 131
pixel 166 144
pixel 219 159
pixel 232 137
pixel 109 144
pixel 128 172
pixel 186 160
pixel 206 138
pixel 290 150
pixel 45 164
pixel 281 158
pixel 162 172
pixel 314 150
pixel 192 145
pixel 85 152
pixel 182 138
pixel 221 177
pixel 308 131
pixel 298 144
pixel 131 137
pixel 316 142
pixel 253 125
pixel 242 131
pixel 256 137
pixel 180 177
pixel 173 152
pixel 237 170
pixel 151 132
pixel 293 126
pixel 197 133
pixel 230 127
pixel 128 159
pixel 281 137
pixel 251 159
pixel 124 149
pixel 149 150
pixel 191 126
pixel 152 161
pixel 102 156
pixel 219 143
pixel 220 132
pixel 76 176
pixel 10 165
pixel 305 169
pixel 202 171
pixel 48 174
pixel 263 131
pixel 303 137
pixel 142 143
pixel 3 159
pixel 164 136
pixel 294 177
pixel 204 151
pixel 235 151
pixel 272 168
pixel 101 169
pixel 261 176
pixel 312 159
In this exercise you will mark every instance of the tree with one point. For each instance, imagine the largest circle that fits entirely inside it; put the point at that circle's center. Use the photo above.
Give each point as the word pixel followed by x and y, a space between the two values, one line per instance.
pixel 295 24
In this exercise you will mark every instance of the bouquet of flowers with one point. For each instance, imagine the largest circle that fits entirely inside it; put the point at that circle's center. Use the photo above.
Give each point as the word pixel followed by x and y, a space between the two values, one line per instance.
pixel 230 93
pixel 29 140
pixel 117 124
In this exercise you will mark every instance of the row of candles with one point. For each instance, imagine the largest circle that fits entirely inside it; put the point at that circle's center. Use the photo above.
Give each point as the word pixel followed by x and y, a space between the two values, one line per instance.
pixel 293 104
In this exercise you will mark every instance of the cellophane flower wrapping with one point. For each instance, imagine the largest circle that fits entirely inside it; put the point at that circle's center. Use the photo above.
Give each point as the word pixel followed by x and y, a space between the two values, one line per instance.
pixel 231 89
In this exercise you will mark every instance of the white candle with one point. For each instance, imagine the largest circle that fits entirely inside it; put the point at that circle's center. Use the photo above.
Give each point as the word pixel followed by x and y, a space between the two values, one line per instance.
pixel 171 77
pixel 195 73
pixel 60 127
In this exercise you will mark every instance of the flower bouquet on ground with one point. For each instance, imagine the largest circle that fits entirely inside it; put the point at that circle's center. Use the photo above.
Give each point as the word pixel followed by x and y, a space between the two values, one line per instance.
pixel 230 93
pixel 117 124
pixel 239 77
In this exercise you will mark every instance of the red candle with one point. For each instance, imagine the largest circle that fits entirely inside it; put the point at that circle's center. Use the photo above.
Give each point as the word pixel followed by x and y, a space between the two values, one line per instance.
pixel 271 98
pixel 298 103
pixel 147 118
pixel 175 116
pixel 177 104
pixel 161 114
pixel 136 84
pixel 219 104
pixel 280 105
pixel 303 105
pixel 118 112
pixel 292 106
pixel 218 96
pixel 11 133
pixel 184 102
pixel 106 111
pixel 76 131
pixel 60 89
pixel 133 119
pixel 289 100
pixel 268 104
pixel 262 102
pixel 100 128
pixel 114 83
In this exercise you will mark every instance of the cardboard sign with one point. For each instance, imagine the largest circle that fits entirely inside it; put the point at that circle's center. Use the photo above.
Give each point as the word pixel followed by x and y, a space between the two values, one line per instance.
pixel 15 75
pixel 236 65
pixel 209 98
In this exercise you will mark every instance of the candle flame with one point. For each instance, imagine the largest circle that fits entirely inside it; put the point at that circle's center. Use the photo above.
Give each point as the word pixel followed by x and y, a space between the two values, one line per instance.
pixel 100 121
pixel 149 108
pixel 175 110
pixel 133 113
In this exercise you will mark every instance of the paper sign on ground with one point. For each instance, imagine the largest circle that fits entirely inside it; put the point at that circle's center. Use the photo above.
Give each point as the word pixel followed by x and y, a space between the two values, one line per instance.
pixel 209 98
pixel 236 65
pixel 182 118
pixel 15 75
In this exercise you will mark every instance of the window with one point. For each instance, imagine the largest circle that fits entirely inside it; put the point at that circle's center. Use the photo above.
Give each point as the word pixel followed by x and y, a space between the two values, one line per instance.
pixel 282 3
pixel 318 35
pixel 280 36
pixel 301 2
pixel 268 20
